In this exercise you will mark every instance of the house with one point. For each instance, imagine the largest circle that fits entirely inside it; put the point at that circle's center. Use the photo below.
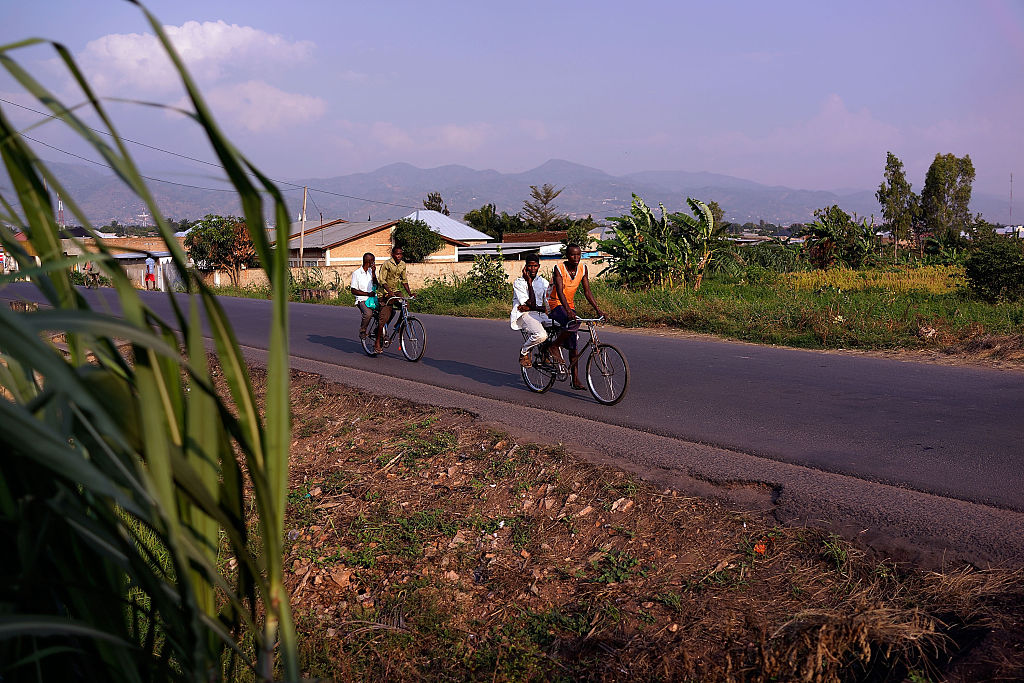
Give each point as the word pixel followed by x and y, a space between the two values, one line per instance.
pixel 343 243
pixel 449 228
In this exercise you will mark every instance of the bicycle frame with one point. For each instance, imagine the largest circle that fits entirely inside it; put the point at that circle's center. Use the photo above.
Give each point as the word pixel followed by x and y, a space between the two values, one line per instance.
pixel 397 322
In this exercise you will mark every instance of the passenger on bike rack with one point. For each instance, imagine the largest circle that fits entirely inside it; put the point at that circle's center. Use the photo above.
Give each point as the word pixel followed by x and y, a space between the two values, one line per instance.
pixel 528 314
pixel 364 286
pixel 568 277
pixel 392 277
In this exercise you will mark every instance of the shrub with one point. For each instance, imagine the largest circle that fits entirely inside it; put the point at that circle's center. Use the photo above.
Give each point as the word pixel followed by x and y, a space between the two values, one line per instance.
pixel 488 280
pixel 995 269
pixel 416 239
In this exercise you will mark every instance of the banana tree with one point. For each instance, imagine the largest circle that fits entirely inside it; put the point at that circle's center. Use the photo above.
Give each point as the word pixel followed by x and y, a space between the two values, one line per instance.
pixel 645 251
pixel 697 233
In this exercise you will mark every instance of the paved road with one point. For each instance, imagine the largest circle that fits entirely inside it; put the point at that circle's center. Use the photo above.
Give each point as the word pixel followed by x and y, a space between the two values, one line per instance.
pixel 951 431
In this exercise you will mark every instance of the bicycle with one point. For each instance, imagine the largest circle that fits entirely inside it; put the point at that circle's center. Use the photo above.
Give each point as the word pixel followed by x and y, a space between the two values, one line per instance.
pixel 607 369
pixel 412 337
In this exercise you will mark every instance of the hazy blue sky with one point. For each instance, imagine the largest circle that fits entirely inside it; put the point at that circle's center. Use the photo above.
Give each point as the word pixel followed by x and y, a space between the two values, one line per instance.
pixel 806 94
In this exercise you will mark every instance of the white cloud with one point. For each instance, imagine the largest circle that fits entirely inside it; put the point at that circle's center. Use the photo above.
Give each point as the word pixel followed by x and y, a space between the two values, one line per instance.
pixel 258 107
pixel 130 64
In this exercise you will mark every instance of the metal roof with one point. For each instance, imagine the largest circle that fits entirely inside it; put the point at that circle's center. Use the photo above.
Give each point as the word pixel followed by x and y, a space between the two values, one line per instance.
pixel 338 233
pixel 449 227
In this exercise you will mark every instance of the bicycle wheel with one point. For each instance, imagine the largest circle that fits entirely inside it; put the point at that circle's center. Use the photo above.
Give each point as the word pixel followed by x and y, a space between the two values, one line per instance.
pixel 414 339
pixel 607 374
pixel 540 376
pixel 371 336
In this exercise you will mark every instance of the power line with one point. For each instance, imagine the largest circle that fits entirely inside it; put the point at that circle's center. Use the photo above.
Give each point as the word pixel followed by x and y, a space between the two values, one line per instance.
pixel 201 161
pixel 100 163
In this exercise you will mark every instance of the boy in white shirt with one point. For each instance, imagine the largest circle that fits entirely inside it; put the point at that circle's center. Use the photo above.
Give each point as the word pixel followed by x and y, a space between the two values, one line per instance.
pixel 363 286
pixel 529 294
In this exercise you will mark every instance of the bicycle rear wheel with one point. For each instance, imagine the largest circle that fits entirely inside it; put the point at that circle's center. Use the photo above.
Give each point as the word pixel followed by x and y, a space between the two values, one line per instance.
pixel 371 336
pixel 607 374
pixel 540 376
pixel 414 339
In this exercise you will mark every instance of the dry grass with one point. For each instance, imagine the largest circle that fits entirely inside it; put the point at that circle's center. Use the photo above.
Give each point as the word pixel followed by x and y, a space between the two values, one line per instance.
pixel 423 546
pixel 928 279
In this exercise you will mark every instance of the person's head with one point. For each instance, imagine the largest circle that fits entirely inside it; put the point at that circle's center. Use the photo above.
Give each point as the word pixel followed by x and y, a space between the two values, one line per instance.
pixel 573 254
pixel 396 253
pixel 532 266
pixel 368 261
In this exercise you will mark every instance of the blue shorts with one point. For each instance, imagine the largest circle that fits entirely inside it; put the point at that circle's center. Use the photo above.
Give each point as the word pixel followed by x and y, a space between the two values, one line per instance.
pixel 561 318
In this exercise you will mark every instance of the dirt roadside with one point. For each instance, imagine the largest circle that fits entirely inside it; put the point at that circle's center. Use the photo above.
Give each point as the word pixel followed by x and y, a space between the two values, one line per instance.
pixel 425 544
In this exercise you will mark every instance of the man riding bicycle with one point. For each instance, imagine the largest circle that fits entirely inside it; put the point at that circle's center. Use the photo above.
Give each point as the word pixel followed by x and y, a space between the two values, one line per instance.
pixel 568 276
pixel 392 278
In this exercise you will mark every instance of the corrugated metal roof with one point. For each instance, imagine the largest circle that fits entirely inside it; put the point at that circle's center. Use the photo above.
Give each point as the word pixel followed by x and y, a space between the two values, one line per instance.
pixel 338 233
pixel 448 226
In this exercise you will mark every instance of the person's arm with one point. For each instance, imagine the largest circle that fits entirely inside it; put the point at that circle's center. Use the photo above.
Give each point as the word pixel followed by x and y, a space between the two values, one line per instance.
pixel 521 294
pixel 590 297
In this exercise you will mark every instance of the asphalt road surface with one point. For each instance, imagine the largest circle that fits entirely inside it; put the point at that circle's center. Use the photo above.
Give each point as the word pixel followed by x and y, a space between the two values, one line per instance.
pixel 880 434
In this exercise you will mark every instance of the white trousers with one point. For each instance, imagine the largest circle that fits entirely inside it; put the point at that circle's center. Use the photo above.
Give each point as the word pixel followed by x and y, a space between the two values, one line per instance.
pixel 531 325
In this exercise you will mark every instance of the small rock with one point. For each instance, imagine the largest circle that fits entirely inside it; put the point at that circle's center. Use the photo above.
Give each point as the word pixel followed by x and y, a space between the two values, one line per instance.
pixel 501 444
pixel 315 491
pixel 331 632
pixel 585 511
pixel 572 497
pixel 673 628
pixel 451 576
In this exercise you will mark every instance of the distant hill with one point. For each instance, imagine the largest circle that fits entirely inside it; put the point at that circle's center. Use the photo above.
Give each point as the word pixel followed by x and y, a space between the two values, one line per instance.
pixel 586 191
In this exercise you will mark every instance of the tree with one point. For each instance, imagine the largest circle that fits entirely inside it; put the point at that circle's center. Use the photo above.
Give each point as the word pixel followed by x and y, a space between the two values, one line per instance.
pixel 947 194
pixel 541 212
pixel 221 242
pixel 897 200
pixel 434 202
pixel 836 238
pixel 698 236
pixel 416 239
pixel 577 232
pixel 487 219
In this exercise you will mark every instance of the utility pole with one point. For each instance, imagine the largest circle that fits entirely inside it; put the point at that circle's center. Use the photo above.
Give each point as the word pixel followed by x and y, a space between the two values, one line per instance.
pixel 302 227
pixel 1010 221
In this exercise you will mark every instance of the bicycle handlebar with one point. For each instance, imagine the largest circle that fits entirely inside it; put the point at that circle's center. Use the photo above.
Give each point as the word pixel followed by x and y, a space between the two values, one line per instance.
pixel 590 320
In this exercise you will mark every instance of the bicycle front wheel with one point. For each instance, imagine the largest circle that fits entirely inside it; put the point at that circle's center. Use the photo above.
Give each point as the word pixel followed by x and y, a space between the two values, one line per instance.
pixel 607 374
pixel 541 375
pixel 414 339
pixel 371 335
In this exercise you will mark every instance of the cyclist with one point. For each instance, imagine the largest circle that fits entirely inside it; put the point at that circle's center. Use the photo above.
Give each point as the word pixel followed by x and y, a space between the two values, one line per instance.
pixel 363 286
pixel 392 278
pixel 528 314
pixel 568 276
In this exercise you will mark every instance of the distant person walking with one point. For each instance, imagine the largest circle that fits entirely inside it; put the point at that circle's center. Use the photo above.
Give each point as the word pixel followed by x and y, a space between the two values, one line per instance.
pixel 150 272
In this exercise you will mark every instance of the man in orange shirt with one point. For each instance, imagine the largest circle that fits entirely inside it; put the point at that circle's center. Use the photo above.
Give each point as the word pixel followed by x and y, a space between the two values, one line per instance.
pixel 568 277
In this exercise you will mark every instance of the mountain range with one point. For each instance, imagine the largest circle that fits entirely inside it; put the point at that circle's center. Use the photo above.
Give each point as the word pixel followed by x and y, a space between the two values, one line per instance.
pixel 585 191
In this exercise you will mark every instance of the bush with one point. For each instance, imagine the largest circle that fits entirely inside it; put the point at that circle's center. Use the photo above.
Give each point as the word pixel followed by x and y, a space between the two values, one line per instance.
pixel 488 280
pixel 995 269
pixel 416 239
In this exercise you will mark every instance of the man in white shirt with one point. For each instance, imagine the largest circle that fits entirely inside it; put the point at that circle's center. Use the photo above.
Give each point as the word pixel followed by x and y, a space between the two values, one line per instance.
pixel 363 286
pixel 529 293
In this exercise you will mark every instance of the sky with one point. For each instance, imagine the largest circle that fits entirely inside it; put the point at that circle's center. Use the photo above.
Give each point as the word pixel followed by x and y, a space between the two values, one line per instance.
pixel 810 95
